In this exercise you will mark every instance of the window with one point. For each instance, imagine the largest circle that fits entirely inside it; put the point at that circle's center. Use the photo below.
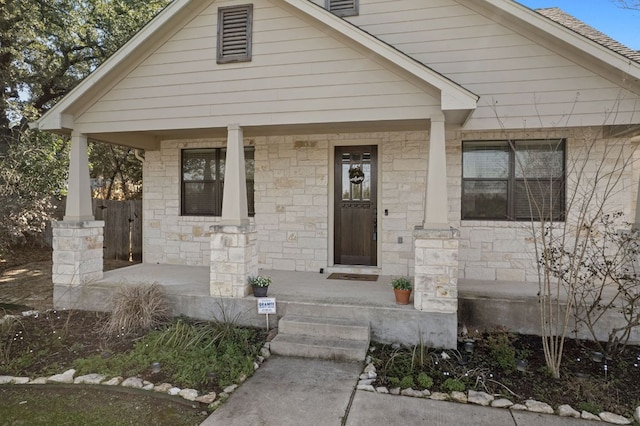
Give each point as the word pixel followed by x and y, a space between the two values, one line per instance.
pixel 513 180
pixel 234 33
pixel 203 180
pixel 343 7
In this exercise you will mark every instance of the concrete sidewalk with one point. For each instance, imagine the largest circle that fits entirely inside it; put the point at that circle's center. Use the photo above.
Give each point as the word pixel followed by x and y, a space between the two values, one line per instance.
pixel 296 391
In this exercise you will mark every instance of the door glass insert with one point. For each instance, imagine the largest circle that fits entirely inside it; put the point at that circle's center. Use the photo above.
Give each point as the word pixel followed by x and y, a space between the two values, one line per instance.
pixel 356 177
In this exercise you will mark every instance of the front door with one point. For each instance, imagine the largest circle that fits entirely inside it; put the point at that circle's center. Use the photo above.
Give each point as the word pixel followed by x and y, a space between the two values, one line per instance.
pixel 356 213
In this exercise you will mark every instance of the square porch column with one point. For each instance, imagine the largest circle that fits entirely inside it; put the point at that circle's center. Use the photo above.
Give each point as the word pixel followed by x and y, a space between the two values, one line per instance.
pixel 78 238
pixel 435 242
pixel 234 255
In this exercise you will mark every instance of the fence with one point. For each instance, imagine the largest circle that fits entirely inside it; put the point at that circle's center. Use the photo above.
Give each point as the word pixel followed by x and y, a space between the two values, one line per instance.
pixel 122 229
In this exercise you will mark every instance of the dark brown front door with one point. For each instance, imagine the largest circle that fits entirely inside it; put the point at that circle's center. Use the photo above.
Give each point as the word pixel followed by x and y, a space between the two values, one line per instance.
pixel 356 213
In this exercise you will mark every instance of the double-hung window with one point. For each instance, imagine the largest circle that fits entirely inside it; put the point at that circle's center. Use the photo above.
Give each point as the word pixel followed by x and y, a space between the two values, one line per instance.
pixel 202 180
pixel 513 180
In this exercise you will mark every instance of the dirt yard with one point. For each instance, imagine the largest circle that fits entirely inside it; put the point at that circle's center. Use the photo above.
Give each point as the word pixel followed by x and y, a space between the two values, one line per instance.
pixel 25 277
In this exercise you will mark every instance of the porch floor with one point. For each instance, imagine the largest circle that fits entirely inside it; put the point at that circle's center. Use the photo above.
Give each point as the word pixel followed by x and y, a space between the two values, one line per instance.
pixel 287 286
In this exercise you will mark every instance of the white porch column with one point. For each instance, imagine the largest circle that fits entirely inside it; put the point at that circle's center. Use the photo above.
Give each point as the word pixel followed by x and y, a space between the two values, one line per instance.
pixel 234 254
pixel 436 200
pixel 234 197
pixel 435 242
pixel 78 239
pixel 79 192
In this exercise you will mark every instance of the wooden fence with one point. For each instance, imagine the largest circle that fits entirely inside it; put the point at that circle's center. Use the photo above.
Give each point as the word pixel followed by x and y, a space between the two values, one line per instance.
pixel 122 229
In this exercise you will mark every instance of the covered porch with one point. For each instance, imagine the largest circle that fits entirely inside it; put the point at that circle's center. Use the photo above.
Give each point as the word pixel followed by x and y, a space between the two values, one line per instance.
pixel 301 293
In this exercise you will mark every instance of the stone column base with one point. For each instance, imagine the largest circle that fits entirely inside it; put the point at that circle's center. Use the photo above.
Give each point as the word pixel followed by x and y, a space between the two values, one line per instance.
pixel 77 251
pixel 436 275
pixel 234 257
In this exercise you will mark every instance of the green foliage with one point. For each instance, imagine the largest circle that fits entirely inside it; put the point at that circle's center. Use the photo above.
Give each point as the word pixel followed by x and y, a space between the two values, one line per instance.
pixel 260 281
pixel 393 381
pixel 188 351
pixel 407 382
pixel 451 385
pixel 502 351
pixel 424 380
pixel 401 283
pixel 590 407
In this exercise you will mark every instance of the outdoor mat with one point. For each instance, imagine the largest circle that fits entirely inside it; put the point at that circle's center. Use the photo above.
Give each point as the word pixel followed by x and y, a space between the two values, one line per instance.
pixel 352 277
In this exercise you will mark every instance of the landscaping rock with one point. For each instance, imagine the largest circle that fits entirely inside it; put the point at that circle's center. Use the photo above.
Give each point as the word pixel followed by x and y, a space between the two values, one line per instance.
pixel 367 388
pixel 255 366
pixel 459 396
pixel 614 418
pixel 208 398
pixel 382 389
pixel 113 382
pixel 242 378
pixel 394 391
pixel 260 359
pixel 411 392
pixel 426 393
pixel 518 407
pixel 636 414
pixel 148 387
pixel 480 398
pixel 189 394
pixel 66 377
pixel 370 367
pixel 588 416
pixel 366 382
pixel 6 380
pixel 568 411
pixel 39 381
pixel 162 388
pixel 20 380
pixel 174 391
pixel 265 353
pixel 538 407
pixel 439 396
pixel 230 389
pixel 501 403
pixel 89 379
pixel 133 382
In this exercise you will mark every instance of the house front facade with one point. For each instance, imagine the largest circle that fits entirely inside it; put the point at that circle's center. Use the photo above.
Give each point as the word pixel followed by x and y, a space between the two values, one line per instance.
pixel 359 136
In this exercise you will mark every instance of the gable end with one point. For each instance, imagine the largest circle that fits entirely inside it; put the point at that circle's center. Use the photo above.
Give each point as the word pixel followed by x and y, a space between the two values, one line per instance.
pixel 234 33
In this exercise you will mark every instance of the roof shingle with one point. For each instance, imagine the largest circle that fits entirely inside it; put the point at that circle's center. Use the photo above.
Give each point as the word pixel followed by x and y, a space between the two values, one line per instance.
pixel 576 25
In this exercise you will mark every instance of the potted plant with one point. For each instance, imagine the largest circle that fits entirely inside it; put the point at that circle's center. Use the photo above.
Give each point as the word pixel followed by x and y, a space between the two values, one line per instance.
pixel 259 285
pixel 402 289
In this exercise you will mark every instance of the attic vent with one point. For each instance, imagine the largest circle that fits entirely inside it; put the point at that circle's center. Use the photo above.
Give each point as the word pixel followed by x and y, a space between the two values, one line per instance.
pixel 234 33
pixel 343 7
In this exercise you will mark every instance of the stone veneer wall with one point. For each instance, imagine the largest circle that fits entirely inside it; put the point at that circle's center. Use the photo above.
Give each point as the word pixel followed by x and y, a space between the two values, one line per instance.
pixel 291 201
pixel 504 251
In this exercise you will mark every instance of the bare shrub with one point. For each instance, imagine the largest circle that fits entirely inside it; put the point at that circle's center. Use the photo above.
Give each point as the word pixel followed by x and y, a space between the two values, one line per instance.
pixel 136 309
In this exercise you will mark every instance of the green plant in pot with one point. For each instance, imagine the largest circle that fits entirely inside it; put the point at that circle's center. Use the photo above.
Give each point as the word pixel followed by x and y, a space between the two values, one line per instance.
pixel 402 289
pixel 260 285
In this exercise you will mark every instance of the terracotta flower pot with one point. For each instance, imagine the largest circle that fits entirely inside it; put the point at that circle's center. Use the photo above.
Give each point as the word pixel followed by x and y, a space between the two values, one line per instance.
pixel 402 296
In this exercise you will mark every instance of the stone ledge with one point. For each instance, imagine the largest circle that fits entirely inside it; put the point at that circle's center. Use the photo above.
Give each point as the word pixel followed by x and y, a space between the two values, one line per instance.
pixel 75 224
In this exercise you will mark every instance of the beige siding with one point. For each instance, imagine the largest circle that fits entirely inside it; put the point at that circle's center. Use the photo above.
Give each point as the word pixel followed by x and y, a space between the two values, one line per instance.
pixel 521 82
pixel 298 74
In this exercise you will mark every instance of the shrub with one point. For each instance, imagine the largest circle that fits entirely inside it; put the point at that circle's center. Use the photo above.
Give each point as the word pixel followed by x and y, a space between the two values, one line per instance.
pixel 451 385
pixel 407 382
pixel 425 381
pixel 502 351
pixel 136 309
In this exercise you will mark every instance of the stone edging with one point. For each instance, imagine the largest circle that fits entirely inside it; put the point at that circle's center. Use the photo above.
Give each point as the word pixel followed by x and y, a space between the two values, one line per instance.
pixel 212 399
pixel 369 376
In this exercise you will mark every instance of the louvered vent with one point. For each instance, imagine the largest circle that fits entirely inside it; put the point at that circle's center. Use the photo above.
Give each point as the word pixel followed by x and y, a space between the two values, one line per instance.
pixel 234 33
pixel 343 7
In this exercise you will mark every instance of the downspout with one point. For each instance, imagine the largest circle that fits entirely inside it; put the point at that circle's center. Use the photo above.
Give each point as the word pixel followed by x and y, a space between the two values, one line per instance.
pixel 636 222
pixel 138 156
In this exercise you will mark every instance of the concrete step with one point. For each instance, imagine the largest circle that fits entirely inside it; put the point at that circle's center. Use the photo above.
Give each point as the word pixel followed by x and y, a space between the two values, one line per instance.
pixel 333 328
pixel 348 312
pixel 319 347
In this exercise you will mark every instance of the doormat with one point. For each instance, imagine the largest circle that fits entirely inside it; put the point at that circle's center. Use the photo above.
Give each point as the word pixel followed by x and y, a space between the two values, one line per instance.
pixel 352 277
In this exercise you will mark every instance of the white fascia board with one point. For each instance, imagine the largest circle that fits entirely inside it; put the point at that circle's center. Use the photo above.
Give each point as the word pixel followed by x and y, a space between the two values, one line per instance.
pixel 453 96
pixel 56 118
pixel 567 35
